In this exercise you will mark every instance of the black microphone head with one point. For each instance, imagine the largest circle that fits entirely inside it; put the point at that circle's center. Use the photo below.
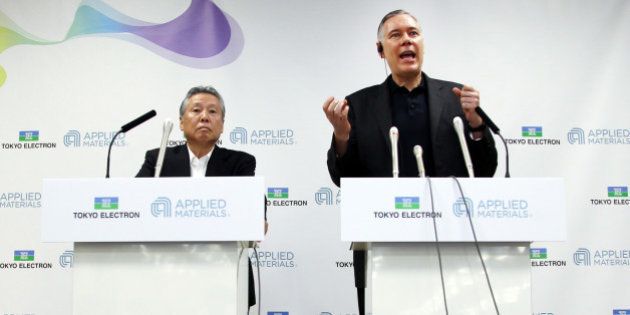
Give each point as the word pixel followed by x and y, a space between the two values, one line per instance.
pixel 138 121
pixel 487 120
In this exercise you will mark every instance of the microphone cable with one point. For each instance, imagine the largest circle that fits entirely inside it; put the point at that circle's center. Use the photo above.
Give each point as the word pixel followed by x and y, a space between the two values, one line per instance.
pixel 472 228
pixel 507 156
pixel 258 277
pixel 437 244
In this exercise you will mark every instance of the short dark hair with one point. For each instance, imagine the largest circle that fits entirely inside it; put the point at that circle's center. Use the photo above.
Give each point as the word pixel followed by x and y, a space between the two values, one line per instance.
pixel 387 16
pixel 201 89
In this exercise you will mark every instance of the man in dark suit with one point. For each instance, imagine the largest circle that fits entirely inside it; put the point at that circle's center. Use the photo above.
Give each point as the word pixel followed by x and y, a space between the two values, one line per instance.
pixel 420 107
pixel 201 117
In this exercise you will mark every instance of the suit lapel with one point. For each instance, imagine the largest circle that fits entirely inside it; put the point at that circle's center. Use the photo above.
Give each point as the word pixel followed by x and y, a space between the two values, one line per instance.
pixel 178 162
pixel 435 90
pixel 215 164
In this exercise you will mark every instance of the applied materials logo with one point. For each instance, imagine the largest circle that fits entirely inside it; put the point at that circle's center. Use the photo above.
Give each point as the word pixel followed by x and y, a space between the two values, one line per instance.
pixel 274 259
pixel 19 200
pixel 599 136
pixel 161 207
pixel 532 135
pixel 460 206
pixel 264 137
pixel 539 258
pixel 66 259
pixel 324 196
pixel 164 207
pixel 28 140
pixel 602 257
pixel 279 197
pixel 24 259
pixel 617 196
pixel 492 208
pixel 92 139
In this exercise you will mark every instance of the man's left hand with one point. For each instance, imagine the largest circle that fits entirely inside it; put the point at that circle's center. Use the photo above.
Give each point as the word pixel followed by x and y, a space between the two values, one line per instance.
pixel 469 98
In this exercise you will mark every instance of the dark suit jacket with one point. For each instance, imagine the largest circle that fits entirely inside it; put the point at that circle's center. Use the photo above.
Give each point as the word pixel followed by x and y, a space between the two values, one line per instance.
pixel 223 162
pixel 369 147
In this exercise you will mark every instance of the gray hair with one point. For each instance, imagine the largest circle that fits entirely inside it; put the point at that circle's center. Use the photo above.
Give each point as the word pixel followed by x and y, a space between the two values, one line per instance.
pixel 379 32
pixel 202 89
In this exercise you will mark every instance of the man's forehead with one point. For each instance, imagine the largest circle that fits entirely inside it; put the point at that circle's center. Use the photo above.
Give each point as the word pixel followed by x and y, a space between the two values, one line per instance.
pixel 401 21
pixel 204 98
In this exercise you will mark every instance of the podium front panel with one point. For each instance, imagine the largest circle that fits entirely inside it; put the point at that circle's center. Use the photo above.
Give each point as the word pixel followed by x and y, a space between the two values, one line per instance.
pixel 403 209
pixel 153 209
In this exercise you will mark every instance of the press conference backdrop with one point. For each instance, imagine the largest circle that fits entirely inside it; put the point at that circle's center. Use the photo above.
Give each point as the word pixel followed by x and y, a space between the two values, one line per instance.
pixel 553 75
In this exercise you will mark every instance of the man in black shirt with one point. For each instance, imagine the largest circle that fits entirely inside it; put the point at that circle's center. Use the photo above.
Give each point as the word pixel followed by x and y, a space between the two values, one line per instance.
pixel 421 108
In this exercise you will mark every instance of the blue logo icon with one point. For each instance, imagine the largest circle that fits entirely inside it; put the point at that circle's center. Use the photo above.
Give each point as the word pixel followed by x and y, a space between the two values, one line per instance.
pixel 238 135
pixel 277 313
pixel 72 138
pixel 161 207
pixel 576 136
pixel 582 257
pixel 407 203
pixel 459 207
pixel 621 312
pixel 66 260
pixel 29 135
pixel 324 196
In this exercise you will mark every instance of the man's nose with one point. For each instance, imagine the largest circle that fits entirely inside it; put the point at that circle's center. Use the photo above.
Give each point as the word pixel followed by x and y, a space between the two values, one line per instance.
pixel 205 116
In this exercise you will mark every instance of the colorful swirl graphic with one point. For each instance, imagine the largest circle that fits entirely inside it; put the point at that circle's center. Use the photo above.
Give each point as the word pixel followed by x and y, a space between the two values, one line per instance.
pixel 202 37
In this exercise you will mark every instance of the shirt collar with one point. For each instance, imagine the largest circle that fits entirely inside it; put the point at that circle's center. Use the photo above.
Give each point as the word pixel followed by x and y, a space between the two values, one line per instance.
pixel 203 160
pixel 395 88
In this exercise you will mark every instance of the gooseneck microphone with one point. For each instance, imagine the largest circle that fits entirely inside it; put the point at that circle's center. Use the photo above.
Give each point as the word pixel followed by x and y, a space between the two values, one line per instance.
pixel 487 120
pixel 134 123
pixel 417 152
pixel 496 130
pixel 393 139
pixel 166 131
pixel 126 128
pixel 459 129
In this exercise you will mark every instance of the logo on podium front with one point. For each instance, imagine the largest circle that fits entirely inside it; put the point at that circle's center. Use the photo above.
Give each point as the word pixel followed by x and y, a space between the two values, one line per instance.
pixel 460 205
pixel 161 207
pixel 407 203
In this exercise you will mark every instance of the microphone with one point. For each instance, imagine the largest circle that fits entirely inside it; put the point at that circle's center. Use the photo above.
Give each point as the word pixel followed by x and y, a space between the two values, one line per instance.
pixel 166 131
pixel 134 123
pixel 417 152
pixel 487 120
pixel 393 139
pixel 459 129
pixel 126 128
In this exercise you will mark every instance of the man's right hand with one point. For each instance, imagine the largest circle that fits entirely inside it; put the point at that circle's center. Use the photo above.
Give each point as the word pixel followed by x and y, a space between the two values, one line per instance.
pixel 337 114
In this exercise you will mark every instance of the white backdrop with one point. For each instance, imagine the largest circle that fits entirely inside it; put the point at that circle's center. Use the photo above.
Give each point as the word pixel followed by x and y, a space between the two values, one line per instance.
pixel 558 65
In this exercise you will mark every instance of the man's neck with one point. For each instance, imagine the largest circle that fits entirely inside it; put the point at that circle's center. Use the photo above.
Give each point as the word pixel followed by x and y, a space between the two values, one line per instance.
pixel 410 82
pixel 200 150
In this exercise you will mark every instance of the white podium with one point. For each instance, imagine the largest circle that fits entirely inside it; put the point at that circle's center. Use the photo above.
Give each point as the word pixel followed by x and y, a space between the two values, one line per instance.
pixel 393 220
pixel 157 245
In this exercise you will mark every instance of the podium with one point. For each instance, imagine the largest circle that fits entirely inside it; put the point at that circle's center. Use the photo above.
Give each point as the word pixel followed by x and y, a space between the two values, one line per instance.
pixel 393 219
pixel 157 245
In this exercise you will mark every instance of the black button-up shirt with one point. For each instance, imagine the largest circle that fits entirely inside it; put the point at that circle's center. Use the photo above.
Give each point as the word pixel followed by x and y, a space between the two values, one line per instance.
pixel 410 114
